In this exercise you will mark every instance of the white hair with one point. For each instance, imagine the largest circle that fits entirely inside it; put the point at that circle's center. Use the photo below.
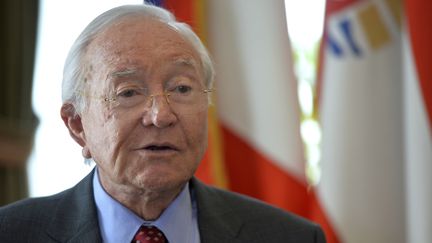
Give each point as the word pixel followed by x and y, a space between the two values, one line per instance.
pixel 76 69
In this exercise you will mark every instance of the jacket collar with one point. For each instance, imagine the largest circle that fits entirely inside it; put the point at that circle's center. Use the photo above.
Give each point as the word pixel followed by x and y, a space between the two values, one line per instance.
pixel 216 220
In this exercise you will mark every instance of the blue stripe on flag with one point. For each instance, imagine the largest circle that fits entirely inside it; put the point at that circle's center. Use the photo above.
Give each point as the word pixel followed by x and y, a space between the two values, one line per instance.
pixel 346 28
pixel 335 48
pixel 155 2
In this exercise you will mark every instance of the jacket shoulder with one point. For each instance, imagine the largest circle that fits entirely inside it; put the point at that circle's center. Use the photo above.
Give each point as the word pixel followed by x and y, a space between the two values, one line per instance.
pixel 257 220
pixel 29 215
pixel 31 208
pixel 251 208
pixel 57 218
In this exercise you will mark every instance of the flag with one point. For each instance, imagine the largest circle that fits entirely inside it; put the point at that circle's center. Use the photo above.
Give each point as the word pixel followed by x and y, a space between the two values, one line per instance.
pixel 417 39
pixel 376 132
pixel 257 101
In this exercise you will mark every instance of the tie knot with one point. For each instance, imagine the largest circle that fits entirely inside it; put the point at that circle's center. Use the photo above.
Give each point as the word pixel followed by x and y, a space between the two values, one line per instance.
pixel 149 234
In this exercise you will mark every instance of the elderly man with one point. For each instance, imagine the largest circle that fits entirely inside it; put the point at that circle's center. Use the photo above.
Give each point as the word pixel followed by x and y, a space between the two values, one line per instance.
pixel 135 96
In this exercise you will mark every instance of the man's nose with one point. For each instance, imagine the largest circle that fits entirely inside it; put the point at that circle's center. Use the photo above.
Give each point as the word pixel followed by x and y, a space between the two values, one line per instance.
pixel 159 112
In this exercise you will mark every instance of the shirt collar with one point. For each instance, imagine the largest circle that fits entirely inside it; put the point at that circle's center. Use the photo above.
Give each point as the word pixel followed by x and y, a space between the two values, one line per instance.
pixel 119 224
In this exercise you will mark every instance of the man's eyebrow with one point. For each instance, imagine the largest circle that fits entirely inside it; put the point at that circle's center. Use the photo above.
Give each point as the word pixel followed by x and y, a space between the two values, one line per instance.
pixel 188 62
pixel 122 73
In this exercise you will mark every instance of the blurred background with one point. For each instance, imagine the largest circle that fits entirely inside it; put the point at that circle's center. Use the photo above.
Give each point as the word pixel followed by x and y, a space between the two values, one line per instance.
pixel 323 108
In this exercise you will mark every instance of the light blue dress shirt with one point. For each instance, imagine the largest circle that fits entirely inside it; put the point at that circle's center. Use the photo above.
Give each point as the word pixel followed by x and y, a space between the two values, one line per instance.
pixel 119 224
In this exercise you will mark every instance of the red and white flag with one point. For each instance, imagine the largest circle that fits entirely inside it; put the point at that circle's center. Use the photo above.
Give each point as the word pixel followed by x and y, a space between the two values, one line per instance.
pixel 257 99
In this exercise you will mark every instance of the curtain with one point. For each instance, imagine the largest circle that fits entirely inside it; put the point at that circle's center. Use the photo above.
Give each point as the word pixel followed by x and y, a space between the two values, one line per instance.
pixel 18 25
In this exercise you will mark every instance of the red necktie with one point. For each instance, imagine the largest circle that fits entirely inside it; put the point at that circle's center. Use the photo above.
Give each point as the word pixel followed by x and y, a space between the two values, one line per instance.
pixel 149 234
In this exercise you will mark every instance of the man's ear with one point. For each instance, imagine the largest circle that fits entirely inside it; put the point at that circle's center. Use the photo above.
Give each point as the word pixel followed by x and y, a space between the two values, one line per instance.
pixel 73 123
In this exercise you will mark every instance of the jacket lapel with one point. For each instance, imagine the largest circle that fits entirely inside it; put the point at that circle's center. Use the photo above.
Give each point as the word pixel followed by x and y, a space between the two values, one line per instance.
pixel 75 218
pixel 216 221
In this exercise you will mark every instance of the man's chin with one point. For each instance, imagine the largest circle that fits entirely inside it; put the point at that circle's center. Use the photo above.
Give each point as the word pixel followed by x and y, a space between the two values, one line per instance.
pixel 160 182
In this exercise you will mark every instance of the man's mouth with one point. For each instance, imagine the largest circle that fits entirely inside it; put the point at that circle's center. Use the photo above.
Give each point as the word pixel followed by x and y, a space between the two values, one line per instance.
pixel 158 148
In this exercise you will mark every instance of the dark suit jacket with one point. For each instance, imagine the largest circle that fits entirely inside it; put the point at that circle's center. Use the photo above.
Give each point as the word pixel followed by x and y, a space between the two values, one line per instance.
pixel 71 216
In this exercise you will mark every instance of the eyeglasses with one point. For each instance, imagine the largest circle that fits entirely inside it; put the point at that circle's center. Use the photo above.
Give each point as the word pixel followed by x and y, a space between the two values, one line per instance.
pixel 181 98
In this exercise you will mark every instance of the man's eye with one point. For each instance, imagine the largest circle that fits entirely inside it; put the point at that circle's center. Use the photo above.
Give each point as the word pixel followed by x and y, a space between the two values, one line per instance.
pixel 182 89
pixel 128 93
